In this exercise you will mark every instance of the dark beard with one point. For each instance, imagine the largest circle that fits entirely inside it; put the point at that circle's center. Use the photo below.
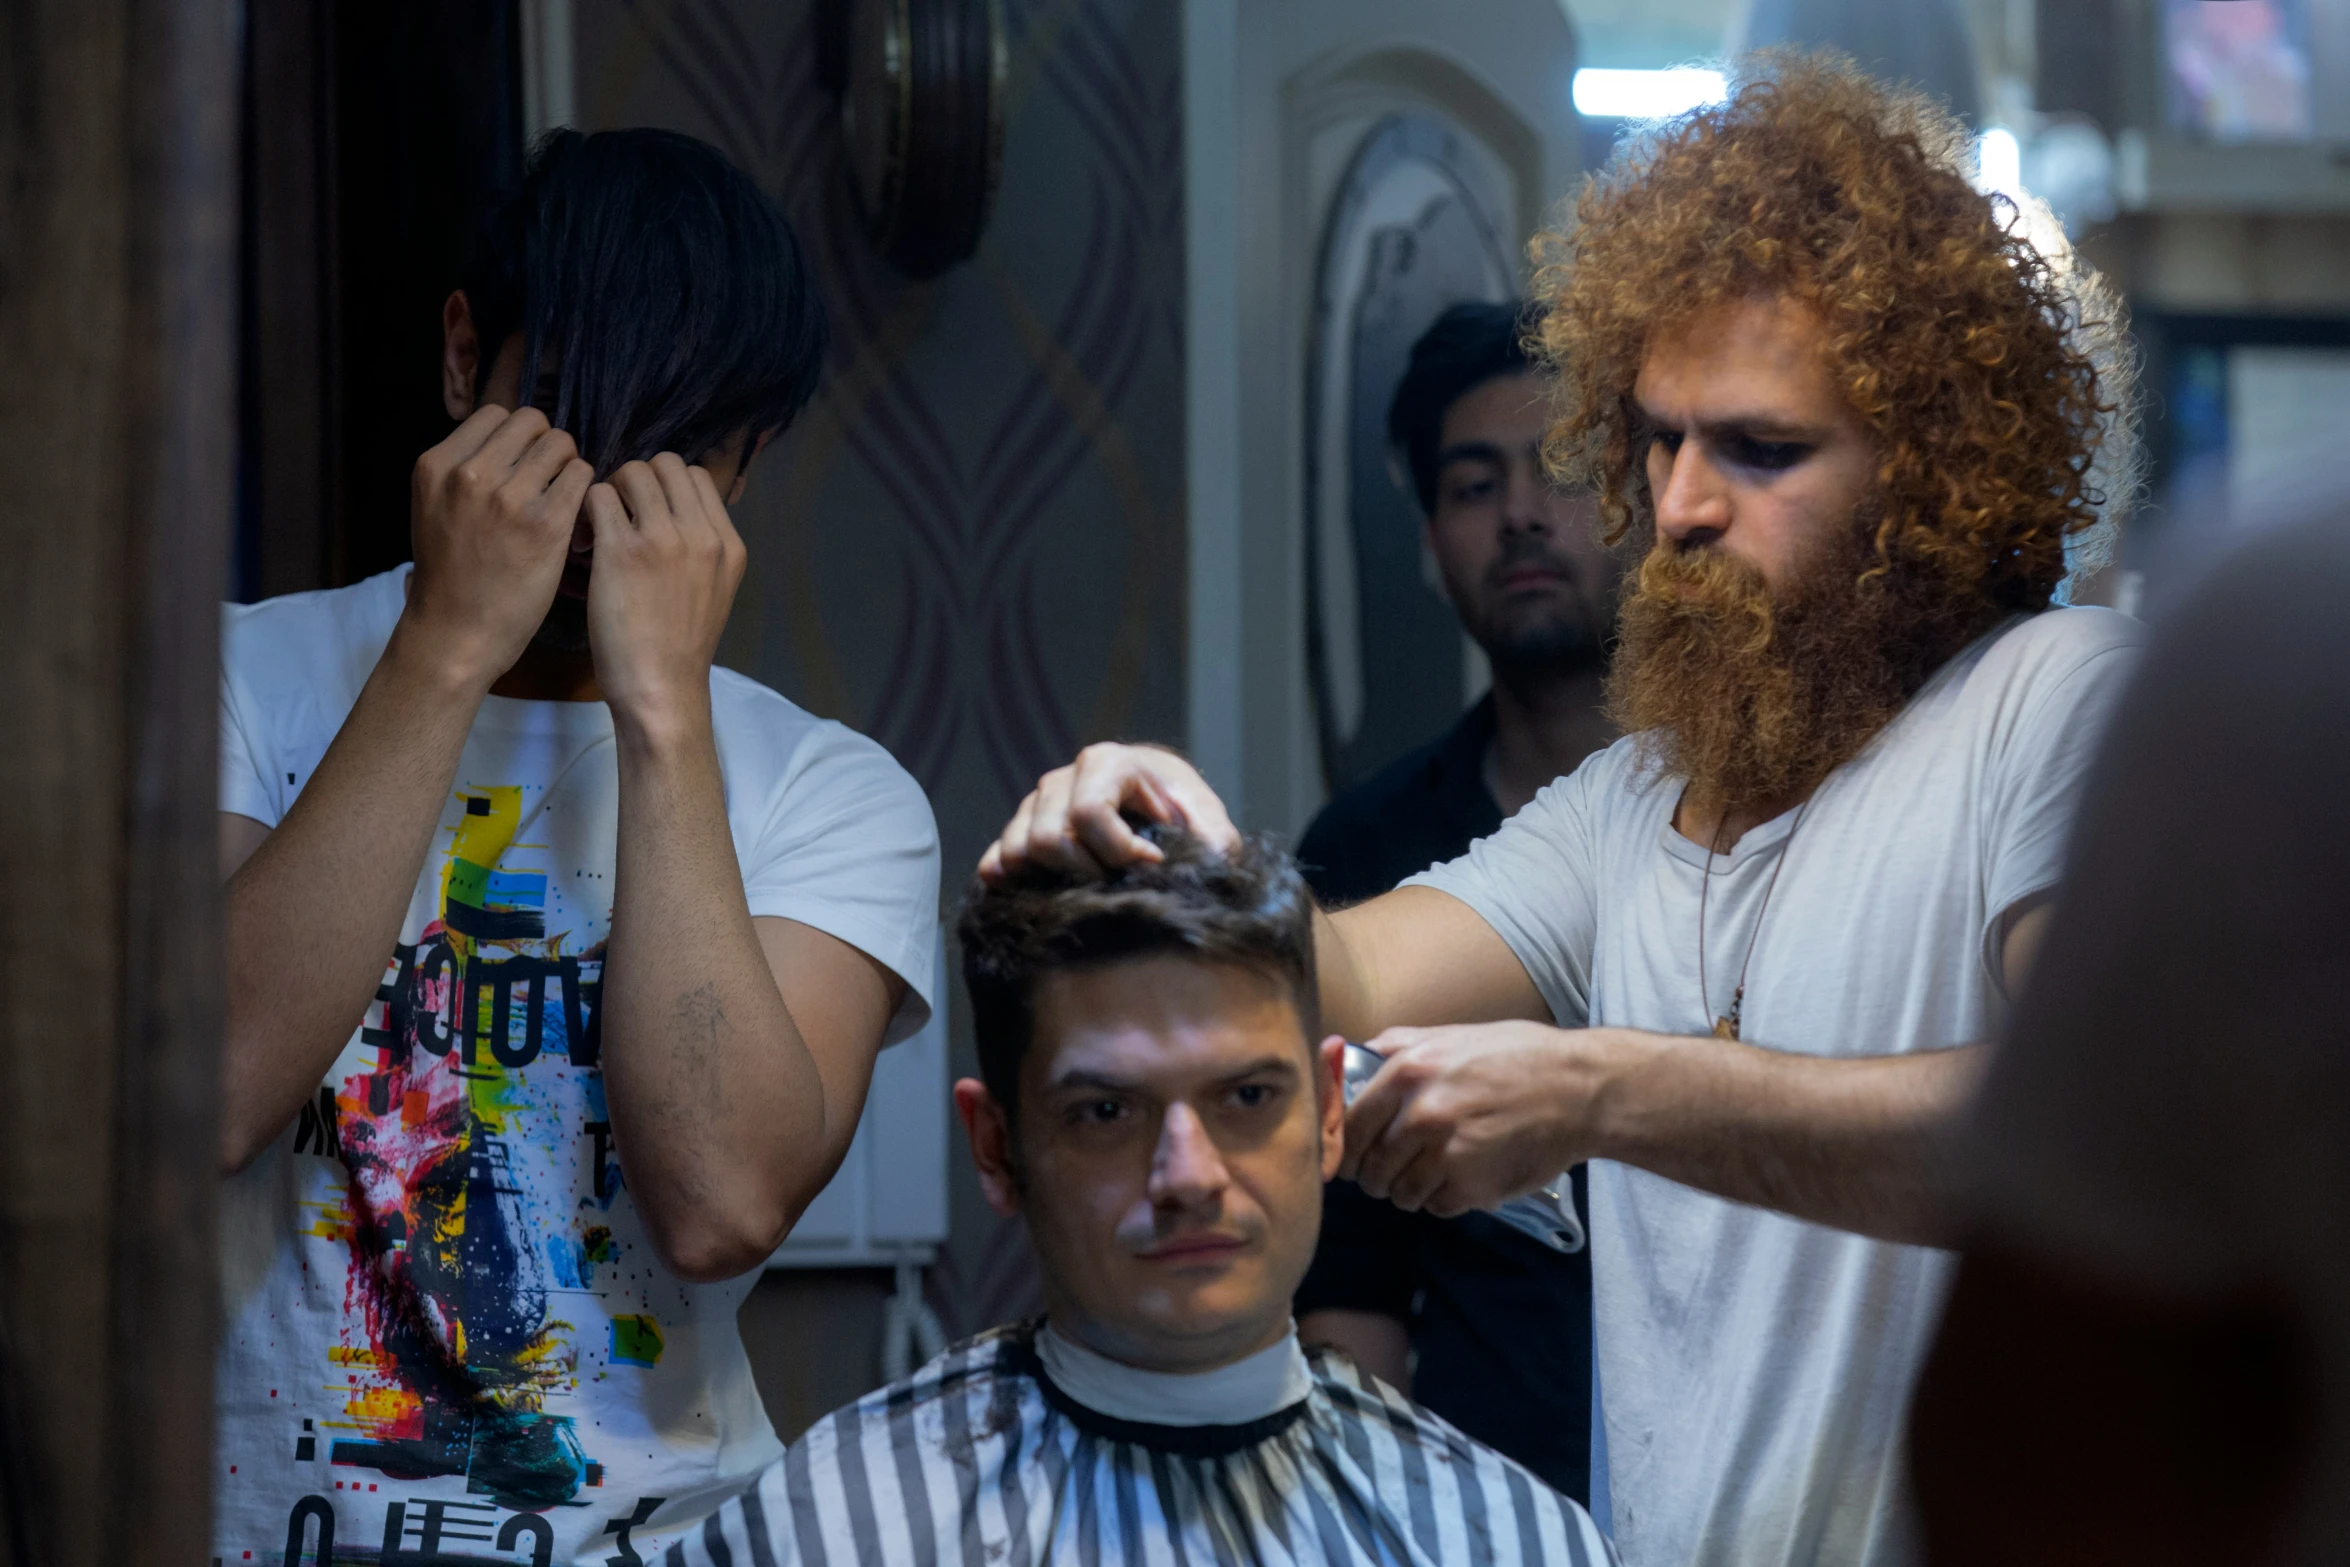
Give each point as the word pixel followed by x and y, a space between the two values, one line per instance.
pixel 1550 649
pixel 1533 651
pixel 565 630
pixel 1755 700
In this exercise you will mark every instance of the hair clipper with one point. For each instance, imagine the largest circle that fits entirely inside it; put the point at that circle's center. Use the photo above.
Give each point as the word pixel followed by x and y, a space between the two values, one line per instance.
pixel 1547 1213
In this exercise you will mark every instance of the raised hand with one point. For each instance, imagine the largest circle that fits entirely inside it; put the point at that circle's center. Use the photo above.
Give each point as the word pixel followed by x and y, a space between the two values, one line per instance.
pixel 1073 820
pixel 667 564
pixel 491 511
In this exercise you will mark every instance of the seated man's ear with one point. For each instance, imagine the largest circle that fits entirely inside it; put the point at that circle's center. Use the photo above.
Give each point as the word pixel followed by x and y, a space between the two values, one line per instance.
pixel 1330 1099
pixel 991 1145
pixel 460 355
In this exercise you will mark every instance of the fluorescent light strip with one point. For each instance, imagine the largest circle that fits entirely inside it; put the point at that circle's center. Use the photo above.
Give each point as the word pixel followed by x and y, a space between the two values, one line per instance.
pixel 1647 95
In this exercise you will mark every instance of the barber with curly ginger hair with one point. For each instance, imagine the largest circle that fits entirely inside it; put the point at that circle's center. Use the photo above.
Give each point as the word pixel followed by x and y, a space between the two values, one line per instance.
pixel 1741 959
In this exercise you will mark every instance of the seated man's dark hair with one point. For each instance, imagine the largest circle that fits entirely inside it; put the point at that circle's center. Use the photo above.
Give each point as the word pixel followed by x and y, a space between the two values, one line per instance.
pixel 1248 908
pixel 1467 346
pixel 664 289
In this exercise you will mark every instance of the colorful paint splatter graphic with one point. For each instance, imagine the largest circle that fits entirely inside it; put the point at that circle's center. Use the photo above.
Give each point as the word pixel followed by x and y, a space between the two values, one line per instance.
pixel 447 1336
pixel 481 1345
pixel 450 1346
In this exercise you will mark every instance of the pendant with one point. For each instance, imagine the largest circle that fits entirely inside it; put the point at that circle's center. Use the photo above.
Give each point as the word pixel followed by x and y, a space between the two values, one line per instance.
pixel 1727 1027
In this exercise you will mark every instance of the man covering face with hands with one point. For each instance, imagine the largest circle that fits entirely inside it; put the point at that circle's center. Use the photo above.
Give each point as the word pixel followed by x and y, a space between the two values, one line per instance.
pixel 558 959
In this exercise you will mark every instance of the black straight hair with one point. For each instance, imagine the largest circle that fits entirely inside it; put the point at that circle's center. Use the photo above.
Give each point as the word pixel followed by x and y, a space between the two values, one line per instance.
pixel 1470 344
pixel 1248 908
pixel 664 288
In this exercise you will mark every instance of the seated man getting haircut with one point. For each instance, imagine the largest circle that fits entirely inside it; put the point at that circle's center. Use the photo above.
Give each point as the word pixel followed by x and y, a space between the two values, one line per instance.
pixel 1154 1106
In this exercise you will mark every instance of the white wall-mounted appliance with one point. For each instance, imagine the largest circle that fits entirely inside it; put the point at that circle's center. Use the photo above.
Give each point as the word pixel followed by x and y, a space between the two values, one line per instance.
pixel 888 1203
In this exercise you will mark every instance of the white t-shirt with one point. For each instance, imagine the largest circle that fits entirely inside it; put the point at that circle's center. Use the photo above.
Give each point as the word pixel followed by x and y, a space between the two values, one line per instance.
pixel 445 1329
pixel 1755 1370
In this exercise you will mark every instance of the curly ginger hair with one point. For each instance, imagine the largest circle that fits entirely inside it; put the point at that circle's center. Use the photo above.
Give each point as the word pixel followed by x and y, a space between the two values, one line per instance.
pixel 1990 371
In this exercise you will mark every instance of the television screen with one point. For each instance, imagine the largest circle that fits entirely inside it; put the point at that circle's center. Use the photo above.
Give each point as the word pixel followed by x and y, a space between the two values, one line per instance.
pixel 2240 70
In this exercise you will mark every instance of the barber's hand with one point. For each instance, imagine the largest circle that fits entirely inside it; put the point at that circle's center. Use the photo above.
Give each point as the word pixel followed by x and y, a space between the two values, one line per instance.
pixel 1471 1115
pixel 1073 821
pixel 490 516
pixel 667 564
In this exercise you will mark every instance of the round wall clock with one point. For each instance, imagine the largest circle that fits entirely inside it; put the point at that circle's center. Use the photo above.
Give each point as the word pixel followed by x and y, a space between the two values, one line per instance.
pixel 921 87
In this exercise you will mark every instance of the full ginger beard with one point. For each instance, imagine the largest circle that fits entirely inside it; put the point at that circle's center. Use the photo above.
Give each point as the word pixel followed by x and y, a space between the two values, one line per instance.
pixel 1754 700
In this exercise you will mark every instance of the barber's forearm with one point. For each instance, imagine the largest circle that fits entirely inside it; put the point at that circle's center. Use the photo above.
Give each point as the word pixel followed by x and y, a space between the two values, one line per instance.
pixel 1856 1143
pixel 1348 1002
pixel 718 1108
pixel 313 914
pixel 1416 957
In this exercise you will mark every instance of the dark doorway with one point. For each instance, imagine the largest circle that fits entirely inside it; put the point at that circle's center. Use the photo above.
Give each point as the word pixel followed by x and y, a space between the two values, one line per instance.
pixel 371 135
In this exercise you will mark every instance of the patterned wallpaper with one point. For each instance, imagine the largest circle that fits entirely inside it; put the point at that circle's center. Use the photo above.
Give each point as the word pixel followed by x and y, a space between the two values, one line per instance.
pixel 971 547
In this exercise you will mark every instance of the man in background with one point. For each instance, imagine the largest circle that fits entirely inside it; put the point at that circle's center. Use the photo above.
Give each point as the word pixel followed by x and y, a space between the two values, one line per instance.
pixel 1483 1324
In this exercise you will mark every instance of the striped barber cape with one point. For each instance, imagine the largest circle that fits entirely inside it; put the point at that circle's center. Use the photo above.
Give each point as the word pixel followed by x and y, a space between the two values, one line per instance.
pixel 980 1460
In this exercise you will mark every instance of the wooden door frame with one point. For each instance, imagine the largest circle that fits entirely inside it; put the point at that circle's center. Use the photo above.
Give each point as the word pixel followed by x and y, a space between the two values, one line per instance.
pixel 117 312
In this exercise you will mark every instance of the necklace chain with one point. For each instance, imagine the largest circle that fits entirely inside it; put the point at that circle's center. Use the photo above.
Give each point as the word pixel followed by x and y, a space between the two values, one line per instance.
pixel 1726 1023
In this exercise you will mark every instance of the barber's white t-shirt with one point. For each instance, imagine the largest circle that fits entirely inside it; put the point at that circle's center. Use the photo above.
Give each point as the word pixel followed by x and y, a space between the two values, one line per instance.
pixel 446 1335
pixel 1755 1370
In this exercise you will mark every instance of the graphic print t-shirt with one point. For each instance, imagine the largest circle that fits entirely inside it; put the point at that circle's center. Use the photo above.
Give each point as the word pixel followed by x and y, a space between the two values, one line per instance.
pixel 447 1338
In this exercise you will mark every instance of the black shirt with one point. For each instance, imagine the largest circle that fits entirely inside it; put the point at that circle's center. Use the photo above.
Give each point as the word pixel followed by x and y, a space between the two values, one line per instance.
pixel 1500 1325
